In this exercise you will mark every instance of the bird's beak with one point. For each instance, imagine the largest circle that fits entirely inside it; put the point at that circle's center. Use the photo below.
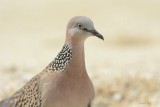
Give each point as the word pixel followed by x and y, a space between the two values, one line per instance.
pixel 95 33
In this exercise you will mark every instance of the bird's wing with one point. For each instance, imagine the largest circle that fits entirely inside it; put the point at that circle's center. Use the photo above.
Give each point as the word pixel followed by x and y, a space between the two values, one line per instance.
pixel 31 94
pixel 28 96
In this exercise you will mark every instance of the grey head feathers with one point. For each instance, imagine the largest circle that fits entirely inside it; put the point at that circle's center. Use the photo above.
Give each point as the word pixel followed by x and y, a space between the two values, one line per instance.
pixel 81 27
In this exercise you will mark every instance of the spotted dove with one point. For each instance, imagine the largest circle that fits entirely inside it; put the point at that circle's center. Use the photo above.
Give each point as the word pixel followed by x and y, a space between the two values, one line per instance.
pixel 64 82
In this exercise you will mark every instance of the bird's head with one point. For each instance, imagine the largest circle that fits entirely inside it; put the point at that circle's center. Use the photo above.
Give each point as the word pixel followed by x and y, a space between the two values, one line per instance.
pixel 81 27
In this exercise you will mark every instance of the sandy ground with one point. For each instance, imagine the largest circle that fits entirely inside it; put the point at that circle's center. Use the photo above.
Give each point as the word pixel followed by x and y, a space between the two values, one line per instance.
pixel 125 68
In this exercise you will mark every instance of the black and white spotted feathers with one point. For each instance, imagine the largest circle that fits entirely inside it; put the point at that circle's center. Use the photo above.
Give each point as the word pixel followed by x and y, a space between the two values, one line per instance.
pixel 62 59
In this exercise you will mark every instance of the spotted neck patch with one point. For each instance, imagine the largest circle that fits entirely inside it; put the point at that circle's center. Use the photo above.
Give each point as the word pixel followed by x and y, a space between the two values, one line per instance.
pixel 62 59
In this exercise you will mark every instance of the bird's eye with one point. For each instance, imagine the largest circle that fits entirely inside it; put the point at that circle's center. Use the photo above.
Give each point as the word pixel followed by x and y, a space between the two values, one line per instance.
pixel 80 26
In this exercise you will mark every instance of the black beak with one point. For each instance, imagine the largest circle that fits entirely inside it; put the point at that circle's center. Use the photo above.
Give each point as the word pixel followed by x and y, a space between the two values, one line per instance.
pixel 95 33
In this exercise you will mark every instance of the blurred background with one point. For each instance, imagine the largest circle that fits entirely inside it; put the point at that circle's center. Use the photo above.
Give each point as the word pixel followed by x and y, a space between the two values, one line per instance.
pixel 125 68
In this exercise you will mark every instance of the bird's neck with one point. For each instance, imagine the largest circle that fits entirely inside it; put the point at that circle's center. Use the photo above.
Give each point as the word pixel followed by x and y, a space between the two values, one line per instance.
pixel 70 58
pixel 78 57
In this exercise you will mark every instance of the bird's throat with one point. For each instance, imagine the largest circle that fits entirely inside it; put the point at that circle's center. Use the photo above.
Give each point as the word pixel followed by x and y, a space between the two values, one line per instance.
pixel 78 58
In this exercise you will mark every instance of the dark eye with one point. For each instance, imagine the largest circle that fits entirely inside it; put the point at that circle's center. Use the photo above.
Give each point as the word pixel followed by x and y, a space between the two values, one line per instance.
pixel 80 26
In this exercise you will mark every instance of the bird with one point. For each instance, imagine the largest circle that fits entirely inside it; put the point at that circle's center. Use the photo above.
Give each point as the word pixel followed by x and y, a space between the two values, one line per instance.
pixel 64 82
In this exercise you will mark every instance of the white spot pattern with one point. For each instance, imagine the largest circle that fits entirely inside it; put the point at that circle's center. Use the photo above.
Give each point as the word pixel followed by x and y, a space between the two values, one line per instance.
pixel 62 59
